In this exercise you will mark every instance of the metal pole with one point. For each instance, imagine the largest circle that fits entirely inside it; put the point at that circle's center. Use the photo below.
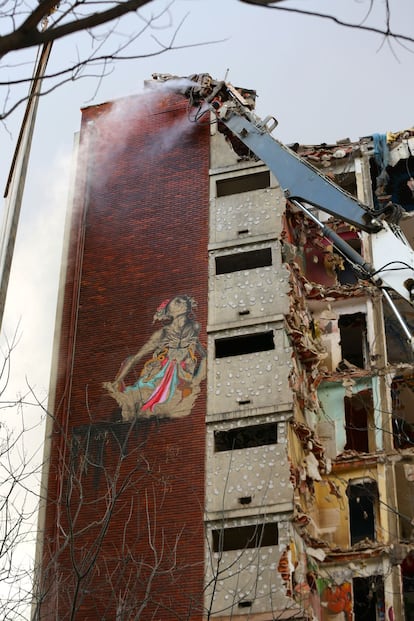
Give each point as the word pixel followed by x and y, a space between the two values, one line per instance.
pixel 17 176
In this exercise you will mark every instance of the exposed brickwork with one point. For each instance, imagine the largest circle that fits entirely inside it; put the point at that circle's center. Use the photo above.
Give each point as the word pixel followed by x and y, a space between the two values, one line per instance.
pixel 139 236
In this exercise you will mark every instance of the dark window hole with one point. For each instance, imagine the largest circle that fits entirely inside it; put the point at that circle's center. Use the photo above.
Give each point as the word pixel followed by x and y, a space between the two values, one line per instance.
pixel 243 261
pixel 362 499
pixel 357 409
pixel 243 183
pixel 368 598
pixel 244 537
pixel 245 437
pixel 245 344
pixel 353 333
pixel 245 500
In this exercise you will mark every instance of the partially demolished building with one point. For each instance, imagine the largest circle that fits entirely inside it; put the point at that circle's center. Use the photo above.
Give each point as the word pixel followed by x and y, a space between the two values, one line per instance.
pixel 251 456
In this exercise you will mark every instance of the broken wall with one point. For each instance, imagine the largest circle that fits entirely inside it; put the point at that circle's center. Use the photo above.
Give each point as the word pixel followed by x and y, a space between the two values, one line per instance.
pixel 356 396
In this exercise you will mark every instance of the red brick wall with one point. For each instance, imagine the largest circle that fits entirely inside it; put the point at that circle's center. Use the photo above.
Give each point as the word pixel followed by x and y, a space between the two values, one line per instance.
pixel 139 236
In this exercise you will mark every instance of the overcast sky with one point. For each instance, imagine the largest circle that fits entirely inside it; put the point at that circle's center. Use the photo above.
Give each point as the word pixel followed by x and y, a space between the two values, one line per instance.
pixel 323 83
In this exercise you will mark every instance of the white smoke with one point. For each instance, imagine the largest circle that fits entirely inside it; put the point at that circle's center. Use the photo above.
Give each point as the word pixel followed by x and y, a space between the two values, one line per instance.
pixel 173 84
pixel 115 121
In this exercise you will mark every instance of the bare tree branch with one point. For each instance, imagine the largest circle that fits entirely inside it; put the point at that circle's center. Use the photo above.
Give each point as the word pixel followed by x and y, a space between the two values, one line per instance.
pixel 385 31
pixel 99 62
pixel 28 35
pixel 88 16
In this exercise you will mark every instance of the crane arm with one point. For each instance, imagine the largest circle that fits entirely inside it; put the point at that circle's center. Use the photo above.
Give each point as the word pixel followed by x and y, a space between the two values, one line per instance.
pixel 393 258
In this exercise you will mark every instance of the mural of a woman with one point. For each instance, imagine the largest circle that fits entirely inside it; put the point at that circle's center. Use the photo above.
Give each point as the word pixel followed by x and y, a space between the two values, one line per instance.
pixel 169 382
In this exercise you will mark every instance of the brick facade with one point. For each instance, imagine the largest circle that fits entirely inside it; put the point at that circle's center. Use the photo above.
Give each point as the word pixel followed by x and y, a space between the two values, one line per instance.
pixel 139 236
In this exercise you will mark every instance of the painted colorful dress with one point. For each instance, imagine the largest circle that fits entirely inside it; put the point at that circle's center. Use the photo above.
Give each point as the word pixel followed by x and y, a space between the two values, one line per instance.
pixel 170 380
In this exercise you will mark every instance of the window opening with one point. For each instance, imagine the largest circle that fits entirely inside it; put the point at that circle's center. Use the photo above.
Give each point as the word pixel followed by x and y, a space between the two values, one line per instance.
pixel 362 498
pixel 243 261
pixel 368 598
pixel 347 181
pixel 245 344
pixel 402 392
pixel 245 437
pixel 243 183
pixel 347 276
pixel 245 500
pixel 357 409
pixel 407 569
pixel 404 481
pixel 398 348
pixel 403 433
pixel 353 331
pixel 399 187
pixel 243 537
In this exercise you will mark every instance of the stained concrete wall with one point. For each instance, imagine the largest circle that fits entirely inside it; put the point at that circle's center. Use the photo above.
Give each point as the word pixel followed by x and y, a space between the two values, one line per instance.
pixel 258 472
pixel 258 378
pixel 245 216
pixel 246 389
pixel 249 575
pixel 250 294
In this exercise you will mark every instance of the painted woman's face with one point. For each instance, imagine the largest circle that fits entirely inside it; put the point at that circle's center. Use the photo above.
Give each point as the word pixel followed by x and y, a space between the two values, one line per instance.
pixel 177 306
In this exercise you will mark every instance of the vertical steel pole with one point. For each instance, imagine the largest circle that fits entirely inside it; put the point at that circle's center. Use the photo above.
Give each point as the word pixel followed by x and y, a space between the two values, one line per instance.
pixel 13 193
